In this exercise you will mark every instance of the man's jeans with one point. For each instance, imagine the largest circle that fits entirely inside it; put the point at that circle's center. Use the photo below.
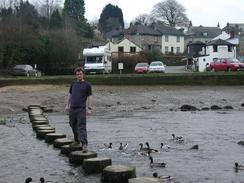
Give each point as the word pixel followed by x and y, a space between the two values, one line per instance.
pixel 77 120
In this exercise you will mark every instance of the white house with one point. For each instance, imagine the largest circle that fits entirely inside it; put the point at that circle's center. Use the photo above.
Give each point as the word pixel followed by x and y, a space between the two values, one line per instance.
pixel 173 44
pixel 123 46
pixel 215 49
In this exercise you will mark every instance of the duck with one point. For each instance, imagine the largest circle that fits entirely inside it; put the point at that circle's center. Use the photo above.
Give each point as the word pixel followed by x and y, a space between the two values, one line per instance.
pixel 42 180
pixel 123 147
pixel 178 139
pixel 162 177
pixel 150 150
pixel 153 164
pixel 195 147
pixel 163 146
pixel 143 148
pixel 109 145
pixel 28 180
pixel 238 167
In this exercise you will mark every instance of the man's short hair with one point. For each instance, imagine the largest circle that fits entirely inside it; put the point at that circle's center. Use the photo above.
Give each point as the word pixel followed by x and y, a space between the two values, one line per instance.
pixel 79 69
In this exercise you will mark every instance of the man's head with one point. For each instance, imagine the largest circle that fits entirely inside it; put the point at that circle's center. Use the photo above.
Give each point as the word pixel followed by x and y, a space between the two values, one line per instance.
pixel 79 73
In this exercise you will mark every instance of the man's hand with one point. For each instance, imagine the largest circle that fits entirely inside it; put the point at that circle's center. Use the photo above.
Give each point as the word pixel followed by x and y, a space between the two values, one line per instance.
pixel 89 112
pixel 66 109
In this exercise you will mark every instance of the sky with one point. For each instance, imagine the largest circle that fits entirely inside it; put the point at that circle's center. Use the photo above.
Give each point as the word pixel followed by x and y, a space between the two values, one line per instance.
pixel 200 12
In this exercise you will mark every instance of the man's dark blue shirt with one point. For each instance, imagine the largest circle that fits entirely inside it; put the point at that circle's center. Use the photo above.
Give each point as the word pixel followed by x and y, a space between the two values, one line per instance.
pixel 79 91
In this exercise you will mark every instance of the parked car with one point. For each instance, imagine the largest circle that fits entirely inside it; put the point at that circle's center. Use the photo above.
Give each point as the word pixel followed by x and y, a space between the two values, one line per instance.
pixel 224 64
pixel 238 61
pixel 24 70
pixel 157 66
pixel 141 67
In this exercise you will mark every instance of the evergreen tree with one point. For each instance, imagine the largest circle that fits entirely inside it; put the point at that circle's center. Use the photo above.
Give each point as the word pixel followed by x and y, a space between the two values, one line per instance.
pixel 111 18
pixel 56 21
pixel 75 10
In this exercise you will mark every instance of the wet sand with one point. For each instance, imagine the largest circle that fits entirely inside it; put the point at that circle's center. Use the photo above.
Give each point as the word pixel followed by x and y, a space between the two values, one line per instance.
pixel 130 115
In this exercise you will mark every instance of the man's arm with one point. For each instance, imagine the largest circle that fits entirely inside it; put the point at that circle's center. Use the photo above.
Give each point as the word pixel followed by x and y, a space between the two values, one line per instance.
pixel 89 103
pixel 68 103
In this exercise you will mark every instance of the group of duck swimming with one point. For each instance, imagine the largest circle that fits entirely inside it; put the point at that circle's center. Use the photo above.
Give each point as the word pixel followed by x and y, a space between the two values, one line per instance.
pixel 147 151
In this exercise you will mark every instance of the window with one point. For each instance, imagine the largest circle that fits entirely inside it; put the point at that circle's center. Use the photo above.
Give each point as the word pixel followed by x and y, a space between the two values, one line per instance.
pixel 215 48
pixel 205 34
pixel 178 50
pixel 178 39
pixel 166 38
pixel 166 49
pixel 230 48
pixel 120 49
pixel 133 49
pixel 94 59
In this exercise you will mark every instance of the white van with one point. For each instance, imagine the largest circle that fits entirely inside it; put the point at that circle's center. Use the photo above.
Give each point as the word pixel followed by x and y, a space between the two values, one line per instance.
pixel 97 60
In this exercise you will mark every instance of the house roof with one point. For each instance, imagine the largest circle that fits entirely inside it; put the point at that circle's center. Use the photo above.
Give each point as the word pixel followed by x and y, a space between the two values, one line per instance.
pixel 142 30
pixel 230 28
pixel 166 30
pixel 204 32
pixel 197 43
pixel 220 42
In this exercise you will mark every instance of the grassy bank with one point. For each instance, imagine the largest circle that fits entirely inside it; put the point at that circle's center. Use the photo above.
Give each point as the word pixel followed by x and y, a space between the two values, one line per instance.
pixel 219 78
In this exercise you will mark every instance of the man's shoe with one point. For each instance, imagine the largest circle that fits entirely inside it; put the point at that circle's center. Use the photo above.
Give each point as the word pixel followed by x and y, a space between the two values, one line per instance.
pixel 84 148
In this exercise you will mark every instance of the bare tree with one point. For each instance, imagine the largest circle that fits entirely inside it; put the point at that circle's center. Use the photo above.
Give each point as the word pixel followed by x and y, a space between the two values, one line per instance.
pixel 144 19
pixel 171 12
pixel 140 19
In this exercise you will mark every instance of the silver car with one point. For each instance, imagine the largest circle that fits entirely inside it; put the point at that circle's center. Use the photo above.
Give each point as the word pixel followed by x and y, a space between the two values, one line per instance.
pixel 24 70
pixel 157 66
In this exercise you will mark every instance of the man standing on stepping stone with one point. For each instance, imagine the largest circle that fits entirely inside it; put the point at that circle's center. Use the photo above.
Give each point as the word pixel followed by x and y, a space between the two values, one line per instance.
pixel 80 94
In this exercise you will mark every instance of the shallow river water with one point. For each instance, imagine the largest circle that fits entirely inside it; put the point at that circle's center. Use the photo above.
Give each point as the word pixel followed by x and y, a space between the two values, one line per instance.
pixel 216 133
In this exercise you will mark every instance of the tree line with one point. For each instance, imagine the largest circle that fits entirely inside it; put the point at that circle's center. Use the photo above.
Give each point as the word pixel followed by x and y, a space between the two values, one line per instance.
pixel 54 42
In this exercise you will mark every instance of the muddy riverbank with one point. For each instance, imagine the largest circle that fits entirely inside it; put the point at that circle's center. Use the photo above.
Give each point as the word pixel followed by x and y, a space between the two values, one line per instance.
pixel 129 115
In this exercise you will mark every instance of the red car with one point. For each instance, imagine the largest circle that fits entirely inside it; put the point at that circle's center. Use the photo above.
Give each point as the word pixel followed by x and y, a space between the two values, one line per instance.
pixel 224 65
pixel 141 67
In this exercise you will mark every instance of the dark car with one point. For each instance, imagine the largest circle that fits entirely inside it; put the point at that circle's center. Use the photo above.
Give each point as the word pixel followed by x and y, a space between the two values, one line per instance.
pixel 141 67
pixel 24 70
pixel 224 64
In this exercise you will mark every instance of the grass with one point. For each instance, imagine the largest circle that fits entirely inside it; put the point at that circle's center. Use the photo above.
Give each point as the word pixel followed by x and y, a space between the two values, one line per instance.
pixel 194 78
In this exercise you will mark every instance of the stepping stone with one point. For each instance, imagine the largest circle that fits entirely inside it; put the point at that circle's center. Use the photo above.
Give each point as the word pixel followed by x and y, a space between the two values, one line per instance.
pixel 50 137
pixel 228 107
pixel 66 149
pixel 61 142
pixel 35 111
pixel 187 107
pixel 35 127
pixel 77 157
pixel 42 133
pixel 144 180
pixel 46 128
pixel 45 122
pixel 38 118
pixel 241 143
pixel 118 174
pixel 205 109
pixel 95 165
pixel 215 107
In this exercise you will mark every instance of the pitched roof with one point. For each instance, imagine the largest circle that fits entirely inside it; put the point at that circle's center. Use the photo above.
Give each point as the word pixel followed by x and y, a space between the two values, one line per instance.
pixel 204 32
pixel 166 30
pixel 142 30
pixel 197 43
pixel 220 42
